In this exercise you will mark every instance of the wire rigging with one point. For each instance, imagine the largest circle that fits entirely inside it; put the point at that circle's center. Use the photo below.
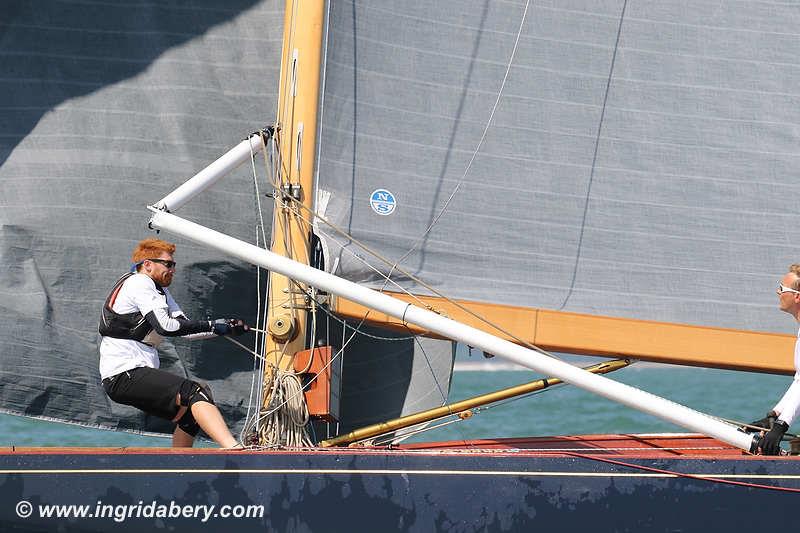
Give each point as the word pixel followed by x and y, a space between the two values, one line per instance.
pixel 594 162
pixel 286 391
pixel 477 147
pixel 416 279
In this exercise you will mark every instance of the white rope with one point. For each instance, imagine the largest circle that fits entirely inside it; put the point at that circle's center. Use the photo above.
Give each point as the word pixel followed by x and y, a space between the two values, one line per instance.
pixel 285 425
pixel 251 424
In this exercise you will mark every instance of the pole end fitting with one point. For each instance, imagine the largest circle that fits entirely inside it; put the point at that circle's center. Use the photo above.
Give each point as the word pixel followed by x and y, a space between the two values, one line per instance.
pixel 755 444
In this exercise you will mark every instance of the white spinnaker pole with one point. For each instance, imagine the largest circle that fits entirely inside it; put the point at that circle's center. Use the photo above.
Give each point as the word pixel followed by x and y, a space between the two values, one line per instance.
pixel 619 392
pixel 212 173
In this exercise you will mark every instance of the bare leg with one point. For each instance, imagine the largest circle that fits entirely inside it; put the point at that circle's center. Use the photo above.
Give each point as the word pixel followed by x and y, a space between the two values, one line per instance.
pixel 181 439
pixel 210 420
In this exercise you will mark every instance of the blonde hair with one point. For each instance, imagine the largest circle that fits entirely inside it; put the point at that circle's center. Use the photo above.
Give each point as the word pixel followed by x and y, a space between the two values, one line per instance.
pixel 795 269
pixel 150 249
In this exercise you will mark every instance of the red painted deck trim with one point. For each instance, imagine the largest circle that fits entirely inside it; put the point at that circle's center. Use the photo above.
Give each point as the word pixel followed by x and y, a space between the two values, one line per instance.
pixel 620 446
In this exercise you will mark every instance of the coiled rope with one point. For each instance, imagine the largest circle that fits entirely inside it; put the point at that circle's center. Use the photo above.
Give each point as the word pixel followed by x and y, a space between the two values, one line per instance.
pixel 283 421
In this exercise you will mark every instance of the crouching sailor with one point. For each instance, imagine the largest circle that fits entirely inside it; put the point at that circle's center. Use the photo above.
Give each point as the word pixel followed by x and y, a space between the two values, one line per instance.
pixel 136 316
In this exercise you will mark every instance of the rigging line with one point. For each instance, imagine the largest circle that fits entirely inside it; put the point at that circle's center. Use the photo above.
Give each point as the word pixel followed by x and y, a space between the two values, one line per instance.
pixel 357 329
pixel 480 142
pixel 256 382
pixel 438 386
pixel 287 82
pixel 263 230
pixel 368 265
pixel 339 353
pixel 270 173
pixel 290 207
pixel 255 185
pixel 787 436
pixel 420 430
pixel 679 474
pixel 394 266
pixel 532 393
pixel 594 161
pixel 255 387
pixel 309 224
pixel 408 274
pixel 323 79
pixel 419 281
pixel 327 423
pixel 480 410
pixel 430 368
pixel 257 356
pixel 362 333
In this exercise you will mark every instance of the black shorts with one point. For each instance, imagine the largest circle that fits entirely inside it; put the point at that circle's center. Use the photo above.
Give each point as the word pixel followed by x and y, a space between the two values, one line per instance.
pixel 152 390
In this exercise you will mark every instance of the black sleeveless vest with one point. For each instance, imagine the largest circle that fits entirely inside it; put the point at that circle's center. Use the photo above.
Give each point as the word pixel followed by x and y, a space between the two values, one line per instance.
pixel 131 326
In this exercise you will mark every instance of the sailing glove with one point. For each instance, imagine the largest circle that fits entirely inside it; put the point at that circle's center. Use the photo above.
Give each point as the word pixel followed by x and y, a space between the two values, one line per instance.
pixel 229 326
pixel 767 421
pixel 771 442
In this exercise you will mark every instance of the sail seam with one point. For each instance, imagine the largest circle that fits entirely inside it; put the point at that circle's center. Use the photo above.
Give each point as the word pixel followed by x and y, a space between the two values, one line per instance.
pixel 464 26
pixel 581 75
pixel 565 103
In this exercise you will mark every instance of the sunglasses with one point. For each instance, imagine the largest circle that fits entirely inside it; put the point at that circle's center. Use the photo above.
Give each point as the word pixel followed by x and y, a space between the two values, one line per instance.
pixel 167 263
pixel 783 288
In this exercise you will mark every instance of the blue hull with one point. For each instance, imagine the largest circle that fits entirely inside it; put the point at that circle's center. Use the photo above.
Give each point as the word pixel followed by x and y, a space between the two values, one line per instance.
pixel 369 490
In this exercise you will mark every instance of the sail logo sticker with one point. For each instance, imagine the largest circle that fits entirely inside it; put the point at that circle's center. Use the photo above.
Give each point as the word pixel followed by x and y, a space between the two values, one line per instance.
pixel 382 202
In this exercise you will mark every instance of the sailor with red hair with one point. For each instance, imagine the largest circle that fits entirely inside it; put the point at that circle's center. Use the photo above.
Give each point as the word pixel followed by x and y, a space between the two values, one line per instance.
pixel 138 313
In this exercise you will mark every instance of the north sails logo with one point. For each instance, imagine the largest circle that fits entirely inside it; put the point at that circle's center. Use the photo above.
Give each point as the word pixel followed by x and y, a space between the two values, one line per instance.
pixel 382 202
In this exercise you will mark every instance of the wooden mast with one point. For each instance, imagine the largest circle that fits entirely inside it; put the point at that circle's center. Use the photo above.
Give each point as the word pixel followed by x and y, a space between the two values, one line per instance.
pixel 298 102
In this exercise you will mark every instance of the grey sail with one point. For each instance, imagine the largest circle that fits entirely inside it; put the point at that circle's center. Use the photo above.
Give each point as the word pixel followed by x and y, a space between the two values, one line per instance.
pixel 386 374
pixel 640 162
pixel 106 108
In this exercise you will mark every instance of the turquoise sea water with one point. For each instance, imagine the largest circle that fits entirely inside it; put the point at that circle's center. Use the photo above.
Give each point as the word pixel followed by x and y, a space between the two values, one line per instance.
pixel 566 410
pixel 561 410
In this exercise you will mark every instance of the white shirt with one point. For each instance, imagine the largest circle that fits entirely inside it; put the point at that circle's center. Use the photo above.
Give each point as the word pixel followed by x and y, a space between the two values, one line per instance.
pixel 788 407
pixel 138 293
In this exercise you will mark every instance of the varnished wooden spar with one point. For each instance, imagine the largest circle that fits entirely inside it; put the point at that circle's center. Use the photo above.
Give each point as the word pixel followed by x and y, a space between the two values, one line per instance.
pixel 462 406
pixel 298 106
pixel 559 331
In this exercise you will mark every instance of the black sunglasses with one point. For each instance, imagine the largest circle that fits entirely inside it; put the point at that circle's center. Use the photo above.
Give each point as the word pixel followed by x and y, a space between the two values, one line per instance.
pixel 167 263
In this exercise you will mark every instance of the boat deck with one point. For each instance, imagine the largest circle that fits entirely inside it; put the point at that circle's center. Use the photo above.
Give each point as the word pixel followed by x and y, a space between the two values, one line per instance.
pixel 624 445
pixel 661 445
